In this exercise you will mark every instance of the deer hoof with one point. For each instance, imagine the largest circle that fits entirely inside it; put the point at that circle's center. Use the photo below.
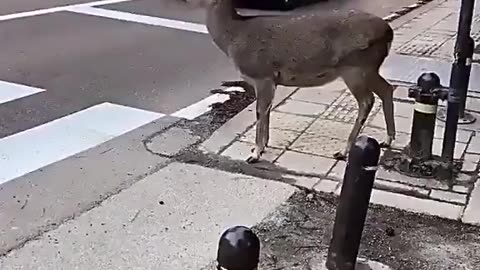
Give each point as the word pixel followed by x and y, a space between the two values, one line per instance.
pixel 386 143
pixel 252 159
pixel 340 156
pixel 255 155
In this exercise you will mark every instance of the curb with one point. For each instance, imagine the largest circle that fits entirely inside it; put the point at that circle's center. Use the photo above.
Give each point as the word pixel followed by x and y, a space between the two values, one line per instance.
pixel 408 9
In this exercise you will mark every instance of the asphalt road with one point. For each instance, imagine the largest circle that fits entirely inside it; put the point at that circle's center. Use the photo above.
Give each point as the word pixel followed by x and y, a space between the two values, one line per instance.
pixel 80 61
pixel 83 60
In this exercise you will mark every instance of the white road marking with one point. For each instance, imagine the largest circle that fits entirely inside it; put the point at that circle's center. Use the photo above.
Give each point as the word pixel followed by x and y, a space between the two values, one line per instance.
pixel 131 17
pixel 35 148
pixel 57 9
pixel 12 91
pixel 195 110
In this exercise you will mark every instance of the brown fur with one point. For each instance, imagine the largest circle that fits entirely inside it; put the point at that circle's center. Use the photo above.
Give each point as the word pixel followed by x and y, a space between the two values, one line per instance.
pixel 306 50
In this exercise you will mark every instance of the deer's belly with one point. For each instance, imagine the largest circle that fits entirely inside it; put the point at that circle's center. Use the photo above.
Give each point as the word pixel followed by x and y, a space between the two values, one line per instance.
pixel 287 78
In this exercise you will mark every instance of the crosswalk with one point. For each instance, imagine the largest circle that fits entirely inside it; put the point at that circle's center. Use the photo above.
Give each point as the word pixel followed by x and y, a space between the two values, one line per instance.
pixel 42 145
pixel 39 127
pixel 34 148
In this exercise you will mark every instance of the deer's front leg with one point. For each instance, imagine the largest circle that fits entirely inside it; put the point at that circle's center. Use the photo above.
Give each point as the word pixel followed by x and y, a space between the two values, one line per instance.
pixel 265 91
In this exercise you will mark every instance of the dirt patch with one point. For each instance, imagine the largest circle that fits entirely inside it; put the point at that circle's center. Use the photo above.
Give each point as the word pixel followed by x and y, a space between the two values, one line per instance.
pixel 299 232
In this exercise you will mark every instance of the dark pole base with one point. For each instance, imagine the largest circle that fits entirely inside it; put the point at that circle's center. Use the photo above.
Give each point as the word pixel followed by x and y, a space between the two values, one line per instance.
pixel 467 118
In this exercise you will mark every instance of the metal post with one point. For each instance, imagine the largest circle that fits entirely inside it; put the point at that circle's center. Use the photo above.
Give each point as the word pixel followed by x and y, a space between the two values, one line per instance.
pixel 459 80
pixel 238 249
pixel 426 96
pixel 353 206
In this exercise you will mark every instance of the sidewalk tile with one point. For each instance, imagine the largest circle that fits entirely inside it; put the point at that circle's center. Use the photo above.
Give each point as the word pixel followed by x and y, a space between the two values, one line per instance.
pixel 279 138
pixel 463 136
pixel 289 121
pixel 460 189
pixel 330 129
pixel 304 163
pixel 400 178
pixel 458 152
pixel 393 186
pixel 241 151
pixel 303 181
pixel 326 186
pixel 417 205
pixel 474 146
pixel 402 124
pixel 301 108
pixel 318 145
pixel 325 94
pixel 472 211
pixel 448 196
pixel 338 171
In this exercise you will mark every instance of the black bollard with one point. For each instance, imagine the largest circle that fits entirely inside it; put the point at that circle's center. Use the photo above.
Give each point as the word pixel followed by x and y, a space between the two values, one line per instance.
pixel 459 80
pixel 238 249
pixel 427 92
pixel 353 206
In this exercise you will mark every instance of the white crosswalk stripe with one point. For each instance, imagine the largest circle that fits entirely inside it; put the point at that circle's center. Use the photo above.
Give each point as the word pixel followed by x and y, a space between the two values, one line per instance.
pixel 45 144
pixel 40 146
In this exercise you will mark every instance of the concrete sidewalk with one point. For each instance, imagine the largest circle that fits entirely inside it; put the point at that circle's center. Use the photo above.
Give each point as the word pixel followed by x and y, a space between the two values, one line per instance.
pixel 311 124
pixel 169 220
pixel 431 33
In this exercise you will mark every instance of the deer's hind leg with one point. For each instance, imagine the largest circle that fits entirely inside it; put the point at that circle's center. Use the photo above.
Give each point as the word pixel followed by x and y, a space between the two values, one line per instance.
pixel 384 90
pixel 356 80
pixel 265 91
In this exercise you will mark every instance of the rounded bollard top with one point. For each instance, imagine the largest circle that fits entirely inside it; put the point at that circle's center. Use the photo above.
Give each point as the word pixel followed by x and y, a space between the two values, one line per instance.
pixel 428 81
pixel 365 150
pixel 238 249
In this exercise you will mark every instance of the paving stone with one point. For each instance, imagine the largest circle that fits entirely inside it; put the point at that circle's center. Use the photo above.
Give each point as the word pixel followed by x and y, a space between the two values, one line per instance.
pixel 301 107
pixel 172 141
pixel 400 178
pixel 445 51
pixel 425 43
pixel 289 121
pixel 401 93
pixel 402 124
pixel 304 163
pixel 447 25
pixel 383 184
pixel 324 94
pixel 472 211
pixel 241 151
pixel 330 129
pixel 401 139
pixel 472 158
pixel 303 181
pixel 458 152
pixel 338 171
pixel 318 145
pixel 326 186
pixel 460 189
pixel 345 108
pixel 462 177
pixel 279 138
pixel 469 166
pixel 463 136
pixel 448 196
pixel 474 146
pixel 417 205
pixel 403 109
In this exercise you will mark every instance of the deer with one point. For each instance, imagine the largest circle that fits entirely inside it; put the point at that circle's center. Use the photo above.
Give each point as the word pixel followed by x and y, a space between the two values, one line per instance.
pixel 307 49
